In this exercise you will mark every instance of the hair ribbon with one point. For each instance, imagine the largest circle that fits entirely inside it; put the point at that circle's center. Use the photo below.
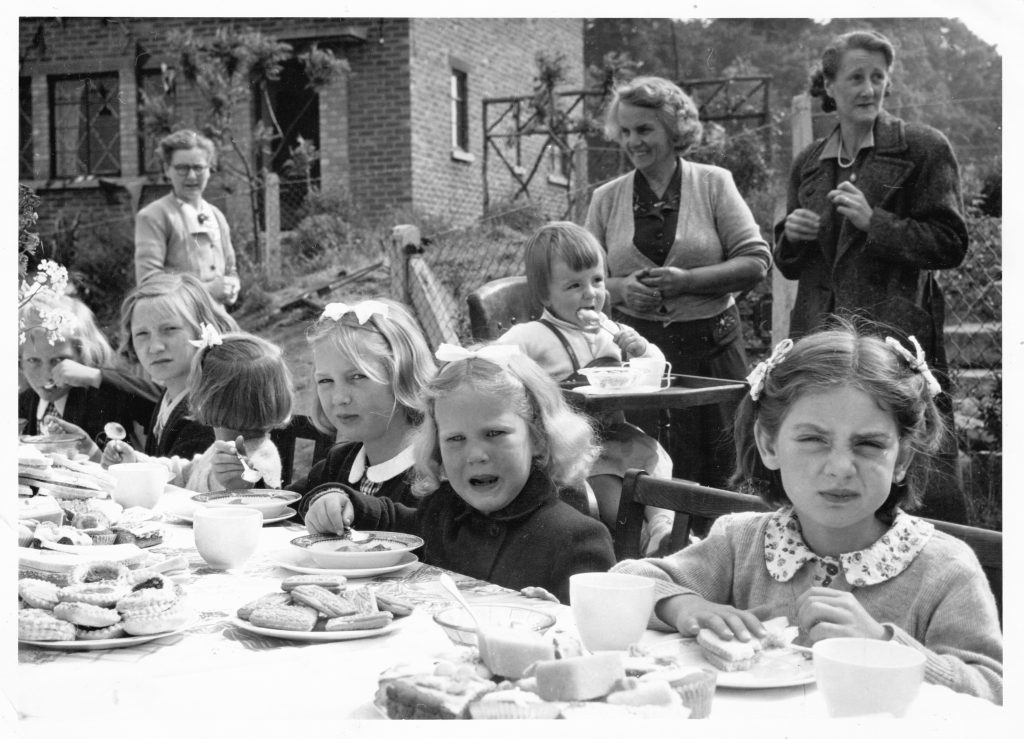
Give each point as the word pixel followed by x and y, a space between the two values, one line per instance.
pixel 498 354
pixel 209 336
pixel 363 310
pixel 917 362
pixel 759 374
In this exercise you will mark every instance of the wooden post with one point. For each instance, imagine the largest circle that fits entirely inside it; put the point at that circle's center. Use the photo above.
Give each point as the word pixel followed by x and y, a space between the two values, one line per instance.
pixel 271 246
pixel 398 260
pixel 783 290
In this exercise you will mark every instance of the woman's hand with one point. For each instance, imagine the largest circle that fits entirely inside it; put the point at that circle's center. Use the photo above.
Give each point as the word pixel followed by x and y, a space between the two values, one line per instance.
pixel 802 225
pixel 331 513
pixel 85 446
pixel 637 295
pixel 668 281
pixel 630 342
pixel 75 374
pixel 227 467
pixel 851 203
pixel 824 612
pixel 117 452
pixel 691 613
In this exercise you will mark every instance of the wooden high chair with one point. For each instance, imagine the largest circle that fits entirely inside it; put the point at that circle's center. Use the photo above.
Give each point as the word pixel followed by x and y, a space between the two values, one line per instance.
pixel 496 306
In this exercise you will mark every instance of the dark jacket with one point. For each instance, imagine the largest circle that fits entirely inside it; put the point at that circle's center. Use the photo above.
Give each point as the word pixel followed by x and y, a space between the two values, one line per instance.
pixel 181 436
pixel 536 540
pixel 120 397
pixel 335 468
pixel 912 181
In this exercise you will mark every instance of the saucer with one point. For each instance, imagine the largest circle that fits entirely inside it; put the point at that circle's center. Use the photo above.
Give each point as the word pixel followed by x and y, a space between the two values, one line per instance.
pixel 284 516
pixel 296 560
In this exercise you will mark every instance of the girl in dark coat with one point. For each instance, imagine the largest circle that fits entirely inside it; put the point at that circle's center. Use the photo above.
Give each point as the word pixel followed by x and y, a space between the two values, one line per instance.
pixel 497 442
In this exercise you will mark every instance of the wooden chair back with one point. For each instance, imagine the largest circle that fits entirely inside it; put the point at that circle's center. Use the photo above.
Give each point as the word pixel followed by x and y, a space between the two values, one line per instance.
pixel 285 438
pixel 696 506
pixel 496 306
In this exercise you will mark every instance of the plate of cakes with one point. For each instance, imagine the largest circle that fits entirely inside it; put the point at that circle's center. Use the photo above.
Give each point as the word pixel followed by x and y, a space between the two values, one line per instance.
pixel 103 606
pixel 321 608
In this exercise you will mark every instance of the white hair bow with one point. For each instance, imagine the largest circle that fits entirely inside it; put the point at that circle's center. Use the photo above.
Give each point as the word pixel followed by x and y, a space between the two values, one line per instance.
pixel 499 354
pixel 759 374
pixel 363 310
pixel 209 336
pixel 916 362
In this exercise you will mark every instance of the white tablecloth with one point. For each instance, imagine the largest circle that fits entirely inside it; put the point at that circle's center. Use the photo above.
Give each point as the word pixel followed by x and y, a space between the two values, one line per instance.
pixel 215 671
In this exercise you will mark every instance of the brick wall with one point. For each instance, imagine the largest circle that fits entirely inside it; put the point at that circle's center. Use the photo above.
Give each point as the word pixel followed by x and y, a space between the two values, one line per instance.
pixel 499 54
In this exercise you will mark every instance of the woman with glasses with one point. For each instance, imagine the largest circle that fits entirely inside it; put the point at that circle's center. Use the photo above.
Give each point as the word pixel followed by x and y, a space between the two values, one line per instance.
pixel 181 232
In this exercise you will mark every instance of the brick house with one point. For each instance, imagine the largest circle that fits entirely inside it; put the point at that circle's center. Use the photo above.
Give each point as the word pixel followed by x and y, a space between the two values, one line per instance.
pixel 401 130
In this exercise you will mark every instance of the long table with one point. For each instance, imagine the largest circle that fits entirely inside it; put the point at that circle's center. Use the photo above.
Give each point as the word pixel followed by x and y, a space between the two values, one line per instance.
pixel 214 671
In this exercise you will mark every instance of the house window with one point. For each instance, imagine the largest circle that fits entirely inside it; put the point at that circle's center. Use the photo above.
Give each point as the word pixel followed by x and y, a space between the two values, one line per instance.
pixel 85 126
pixel 460 110
pixel 156 103
pixel 26 151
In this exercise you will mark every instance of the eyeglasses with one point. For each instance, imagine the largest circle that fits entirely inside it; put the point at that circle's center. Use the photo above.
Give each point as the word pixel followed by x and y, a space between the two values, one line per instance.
pixel 184 169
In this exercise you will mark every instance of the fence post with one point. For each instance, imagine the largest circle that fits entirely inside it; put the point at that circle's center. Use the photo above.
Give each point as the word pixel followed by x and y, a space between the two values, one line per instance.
pixel 783 290
pixel 271 256
pixel 398 260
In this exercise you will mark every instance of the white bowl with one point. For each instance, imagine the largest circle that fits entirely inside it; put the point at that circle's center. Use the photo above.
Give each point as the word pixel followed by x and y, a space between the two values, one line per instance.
pixel 611 378
pixel 382 549
pixel 867 676
pixel 270 503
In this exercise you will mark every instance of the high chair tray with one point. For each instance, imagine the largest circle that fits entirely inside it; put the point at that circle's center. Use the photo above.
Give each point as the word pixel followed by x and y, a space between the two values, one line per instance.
pixel 686 391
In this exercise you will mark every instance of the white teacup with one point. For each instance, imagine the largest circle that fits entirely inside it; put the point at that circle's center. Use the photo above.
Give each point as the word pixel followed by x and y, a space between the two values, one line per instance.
pixel 867 676
pixel 652 373
pixel 138 483
pixel 611 609
pixel 226 537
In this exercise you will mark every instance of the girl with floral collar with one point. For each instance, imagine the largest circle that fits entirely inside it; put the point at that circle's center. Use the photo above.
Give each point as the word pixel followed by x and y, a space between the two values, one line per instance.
pixel 834 432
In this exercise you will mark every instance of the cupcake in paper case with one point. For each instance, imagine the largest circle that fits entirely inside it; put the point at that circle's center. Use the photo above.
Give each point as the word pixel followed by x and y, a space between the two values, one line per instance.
pixel 695 686
pixel 514 703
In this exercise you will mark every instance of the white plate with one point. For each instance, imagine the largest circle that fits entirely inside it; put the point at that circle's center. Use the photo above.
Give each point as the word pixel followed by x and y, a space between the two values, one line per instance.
pixel 777 668
pixel 85 645
pixel 188 517
pixel 296 560
pixel 314 636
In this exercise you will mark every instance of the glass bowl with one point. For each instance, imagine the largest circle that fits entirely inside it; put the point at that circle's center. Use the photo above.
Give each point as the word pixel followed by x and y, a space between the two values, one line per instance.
pixel 611 378
pixel 459 627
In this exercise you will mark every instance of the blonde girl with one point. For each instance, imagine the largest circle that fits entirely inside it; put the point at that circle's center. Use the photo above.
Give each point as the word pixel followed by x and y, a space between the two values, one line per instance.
pixel 836 431
pixel 370 362
pixel 74 383
pixel 497 443
pixel 239 386
pixel 159 319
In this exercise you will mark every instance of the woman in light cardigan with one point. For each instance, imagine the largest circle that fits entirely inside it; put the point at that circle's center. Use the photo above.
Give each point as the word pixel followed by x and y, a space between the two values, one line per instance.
pixel 181 232
pixel 680 240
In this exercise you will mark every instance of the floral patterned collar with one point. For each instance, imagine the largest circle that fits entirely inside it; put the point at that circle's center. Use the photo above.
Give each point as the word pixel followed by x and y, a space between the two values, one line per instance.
pixel 785 551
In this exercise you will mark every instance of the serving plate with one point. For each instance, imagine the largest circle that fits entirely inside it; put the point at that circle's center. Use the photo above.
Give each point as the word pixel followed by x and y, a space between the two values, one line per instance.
pixel 268 502
pixel 189 516
pixel 381 549
pixel 296 560
pixel 777 668
pixel 314 636
pixel 88 645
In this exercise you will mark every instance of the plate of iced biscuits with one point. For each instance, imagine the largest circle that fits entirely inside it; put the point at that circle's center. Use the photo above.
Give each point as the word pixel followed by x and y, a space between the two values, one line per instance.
pixel 321 608
pixel 103 606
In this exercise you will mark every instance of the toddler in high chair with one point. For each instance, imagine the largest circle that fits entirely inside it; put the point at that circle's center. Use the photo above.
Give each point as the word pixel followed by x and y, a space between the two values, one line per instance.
pixel 370 362
pixel 496 442
pixel 565 271
pixel 836 431
pixel 75 384
pixel 240 386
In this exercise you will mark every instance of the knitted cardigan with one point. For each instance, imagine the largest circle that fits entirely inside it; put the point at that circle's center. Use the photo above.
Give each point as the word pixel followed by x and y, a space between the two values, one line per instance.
pixel 941 604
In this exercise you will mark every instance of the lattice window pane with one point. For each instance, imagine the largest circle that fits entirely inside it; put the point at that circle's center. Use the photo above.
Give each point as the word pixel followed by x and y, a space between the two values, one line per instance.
pixel 86 125
pixel 26 149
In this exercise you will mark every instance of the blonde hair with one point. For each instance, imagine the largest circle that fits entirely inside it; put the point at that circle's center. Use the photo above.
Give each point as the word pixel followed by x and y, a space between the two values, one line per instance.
pixel 180 294
pixel 562 240
pixel 674 108
pixel 78 327
pixel 391 351
pixel 242 384
pixel 563 440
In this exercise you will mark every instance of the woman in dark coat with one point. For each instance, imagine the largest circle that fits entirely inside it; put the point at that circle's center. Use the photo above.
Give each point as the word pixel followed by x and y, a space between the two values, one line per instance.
pixel 872 209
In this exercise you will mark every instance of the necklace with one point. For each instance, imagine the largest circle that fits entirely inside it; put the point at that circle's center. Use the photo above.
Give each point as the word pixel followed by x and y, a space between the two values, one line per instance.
pixel 839 155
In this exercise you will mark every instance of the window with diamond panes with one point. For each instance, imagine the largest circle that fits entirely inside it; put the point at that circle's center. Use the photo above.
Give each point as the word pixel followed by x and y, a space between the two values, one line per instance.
pixel 85 126
pixel 26 150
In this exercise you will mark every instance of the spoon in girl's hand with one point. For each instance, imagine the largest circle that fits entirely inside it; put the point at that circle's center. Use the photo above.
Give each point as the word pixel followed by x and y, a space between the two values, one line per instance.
pixel 115 431
pixel 452 588
pixel 248 473
pixel 591 320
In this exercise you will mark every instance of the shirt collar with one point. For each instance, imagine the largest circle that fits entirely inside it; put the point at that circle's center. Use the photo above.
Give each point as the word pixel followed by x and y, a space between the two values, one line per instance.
pixel 382 472
pixel 831 148
pixel 44 405
pixel 785 550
